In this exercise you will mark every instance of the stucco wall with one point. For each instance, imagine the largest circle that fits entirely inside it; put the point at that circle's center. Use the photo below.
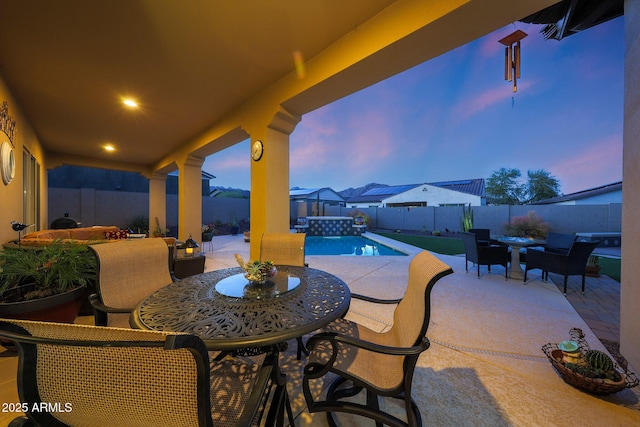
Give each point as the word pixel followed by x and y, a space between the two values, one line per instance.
pixel 11 195
pixel 629 288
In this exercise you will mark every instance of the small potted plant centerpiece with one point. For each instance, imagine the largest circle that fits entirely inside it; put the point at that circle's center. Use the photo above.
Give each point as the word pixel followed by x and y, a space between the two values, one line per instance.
pixel 45 283
pixel 257 272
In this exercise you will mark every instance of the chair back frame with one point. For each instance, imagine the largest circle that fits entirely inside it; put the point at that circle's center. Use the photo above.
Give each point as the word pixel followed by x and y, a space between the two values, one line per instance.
pixel 60 335
pixel 283 248
pixel 127 272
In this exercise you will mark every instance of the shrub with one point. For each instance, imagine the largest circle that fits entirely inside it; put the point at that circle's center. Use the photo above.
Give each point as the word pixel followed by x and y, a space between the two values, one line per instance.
pixel 529 225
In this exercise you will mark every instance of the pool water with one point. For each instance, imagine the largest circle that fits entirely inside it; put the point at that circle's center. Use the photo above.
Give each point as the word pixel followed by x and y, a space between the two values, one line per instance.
pixel 347 246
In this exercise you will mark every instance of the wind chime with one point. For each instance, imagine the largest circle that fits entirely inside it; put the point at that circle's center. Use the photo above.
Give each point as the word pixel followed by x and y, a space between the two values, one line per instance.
pixel 512 56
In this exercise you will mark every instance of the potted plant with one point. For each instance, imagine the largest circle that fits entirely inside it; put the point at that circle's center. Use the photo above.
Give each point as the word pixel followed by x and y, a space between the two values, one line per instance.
pixel 593 266
pixel 45 283
pixel 207 232
pixel 159 231
pixel 234 228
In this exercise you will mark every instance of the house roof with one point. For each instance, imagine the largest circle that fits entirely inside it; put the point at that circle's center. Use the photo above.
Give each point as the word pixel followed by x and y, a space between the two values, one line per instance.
pixel 305 193
pixel 469 186
pixel 596 191
pixel 378 194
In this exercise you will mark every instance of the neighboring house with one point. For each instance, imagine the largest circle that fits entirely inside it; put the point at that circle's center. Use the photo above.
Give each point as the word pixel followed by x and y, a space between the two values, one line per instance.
pixel 446 193
pixel 314 195
pixel 603 195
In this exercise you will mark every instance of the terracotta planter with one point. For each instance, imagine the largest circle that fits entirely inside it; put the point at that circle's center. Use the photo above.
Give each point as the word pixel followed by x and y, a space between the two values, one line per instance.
pixel 56 308
pixel 592 270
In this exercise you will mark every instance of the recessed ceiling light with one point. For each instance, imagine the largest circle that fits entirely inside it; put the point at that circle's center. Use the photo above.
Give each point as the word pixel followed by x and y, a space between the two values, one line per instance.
pixel 130 103
pixel 109 147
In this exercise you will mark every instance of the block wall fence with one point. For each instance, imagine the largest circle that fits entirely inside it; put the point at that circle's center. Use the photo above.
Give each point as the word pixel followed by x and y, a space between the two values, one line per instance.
pixel 97 207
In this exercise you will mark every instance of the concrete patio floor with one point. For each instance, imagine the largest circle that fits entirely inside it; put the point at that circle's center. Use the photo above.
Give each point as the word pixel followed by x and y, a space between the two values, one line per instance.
pixel 485 366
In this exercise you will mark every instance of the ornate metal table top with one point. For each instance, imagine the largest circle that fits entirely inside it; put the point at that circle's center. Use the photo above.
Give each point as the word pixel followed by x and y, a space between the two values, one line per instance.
pixel 194 305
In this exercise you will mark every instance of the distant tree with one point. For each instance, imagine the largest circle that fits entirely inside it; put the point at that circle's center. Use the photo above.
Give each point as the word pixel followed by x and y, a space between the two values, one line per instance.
pixel 541 185
pixel 504 187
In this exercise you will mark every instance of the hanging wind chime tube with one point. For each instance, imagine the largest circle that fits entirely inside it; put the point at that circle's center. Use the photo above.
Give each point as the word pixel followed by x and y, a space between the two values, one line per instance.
pixel 512 56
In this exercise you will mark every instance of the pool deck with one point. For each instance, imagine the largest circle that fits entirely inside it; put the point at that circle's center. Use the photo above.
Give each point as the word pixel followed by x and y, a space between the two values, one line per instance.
pixel 475 322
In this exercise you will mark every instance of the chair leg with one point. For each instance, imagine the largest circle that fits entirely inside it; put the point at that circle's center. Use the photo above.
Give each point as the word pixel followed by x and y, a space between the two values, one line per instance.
pixel 478 271
pixel 583 284
pixel 372 402
pixel 301 349
pixel 565 284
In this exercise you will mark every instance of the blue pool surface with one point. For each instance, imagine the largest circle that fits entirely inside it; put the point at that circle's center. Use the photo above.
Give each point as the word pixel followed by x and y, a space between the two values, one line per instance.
pixel 347 246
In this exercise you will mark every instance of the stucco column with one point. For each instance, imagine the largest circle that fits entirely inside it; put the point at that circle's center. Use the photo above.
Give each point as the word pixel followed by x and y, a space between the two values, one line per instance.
pixel 157 201
pixel 629 287
pixel 190 198
pixel 270 179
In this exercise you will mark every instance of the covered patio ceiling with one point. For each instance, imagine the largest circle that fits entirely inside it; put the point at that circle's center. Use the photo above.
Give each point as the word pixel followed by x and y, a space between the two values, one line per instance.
pixel 194 65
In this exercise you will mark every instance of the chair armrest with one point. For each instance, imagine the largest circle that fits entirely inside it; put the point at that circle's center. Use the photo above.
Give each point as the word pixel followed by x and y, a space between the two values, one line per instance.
pixel 334 337
pixel 94 299
pixel 376 300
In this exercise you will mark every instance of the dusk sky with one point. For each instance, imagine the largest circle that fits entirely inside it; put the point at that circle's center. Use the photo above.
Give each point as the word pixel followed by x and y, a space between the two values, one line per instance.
pixel 455 117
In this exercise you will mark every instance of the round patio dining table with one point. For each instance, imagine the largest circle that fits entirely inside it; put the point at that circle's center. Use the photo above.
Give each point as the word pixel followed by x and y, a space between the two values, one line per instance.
pixel 516 243
pixel 228 313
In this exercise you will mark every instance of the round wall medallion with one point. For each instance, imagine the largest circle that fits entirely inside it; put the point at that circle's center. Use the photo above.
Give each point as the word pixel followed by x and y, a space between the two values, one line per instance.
pixel 8 166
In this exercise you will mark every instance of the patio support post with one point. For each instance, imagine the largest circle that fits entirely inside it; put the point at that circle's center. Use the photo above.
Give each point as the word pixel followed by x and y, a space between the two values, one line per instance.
pixel 157 201
pixel 629 288
pixel 190 198
pixel 270 179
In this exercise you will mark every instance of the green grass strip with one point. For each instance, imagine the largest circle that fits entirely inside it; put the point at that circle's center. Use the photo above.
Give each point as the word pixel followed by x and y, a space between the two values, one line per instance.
pixel 439 245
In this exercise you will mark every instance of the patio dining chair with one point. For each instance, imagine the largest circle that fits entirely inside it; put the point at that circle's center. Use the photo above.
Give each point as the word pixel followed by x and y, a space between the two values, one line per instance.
pixel 128 271
pixel 572 263
pixel 285 249
pixel 78 375
pixel 380 363
pixel 483 254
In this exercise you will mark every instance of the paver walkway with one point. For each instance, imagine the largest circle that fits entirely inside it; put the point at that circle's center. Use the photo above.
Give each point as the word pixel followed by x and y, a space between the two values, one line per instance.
pixel 599 306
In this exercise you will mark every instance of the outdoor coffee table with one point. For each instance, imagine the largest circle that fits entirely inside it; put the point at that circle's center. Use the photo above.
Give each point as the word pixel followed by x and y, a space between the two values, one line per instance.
pixel 229 315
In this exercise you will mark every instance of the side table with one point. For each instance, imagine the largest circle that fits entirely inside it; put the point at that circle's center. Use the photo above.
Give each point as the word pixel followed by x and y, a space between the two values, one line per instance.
pixel 185 266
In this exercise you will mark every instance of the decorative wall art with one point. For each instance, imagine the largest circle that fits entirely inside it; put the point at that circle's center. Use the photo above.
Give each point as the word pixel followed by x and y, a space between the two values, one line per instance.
pixel 7 133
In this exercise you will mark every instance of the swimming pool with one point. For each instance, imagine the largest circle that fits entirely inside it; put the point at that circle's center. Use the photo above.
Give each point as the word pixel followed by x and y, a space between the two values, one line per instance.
pixel 347 246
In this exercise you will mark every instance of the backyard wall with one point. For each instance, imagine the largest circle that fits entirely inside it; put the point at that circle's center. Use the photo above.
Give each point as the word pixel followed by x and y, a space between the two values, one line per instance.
pixel 562 219
pixel 97 207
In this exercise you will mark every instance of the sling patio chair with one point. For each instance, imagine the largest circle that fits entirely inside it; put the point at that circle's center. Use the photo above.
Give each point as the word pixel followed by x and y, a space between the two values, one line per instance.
pixel 128 271
pixel 572 263
pixel 285 249
pixel 382 363
pixel 78 375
